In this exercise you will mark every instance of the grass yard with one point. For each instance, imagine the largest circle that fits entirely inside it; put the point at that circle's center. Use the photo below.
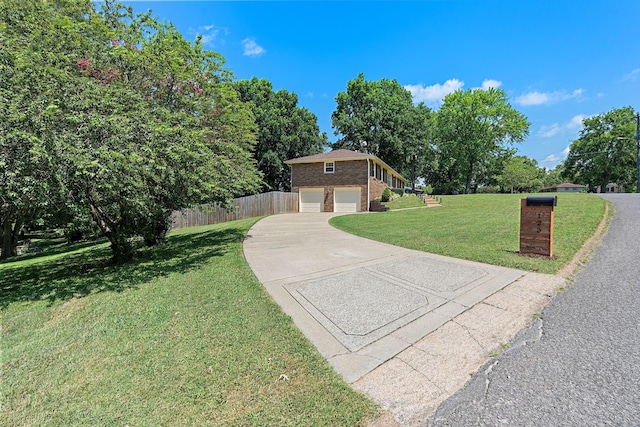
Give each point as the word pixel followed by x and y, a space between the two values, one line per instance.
pixel 182 336
pixel 481 227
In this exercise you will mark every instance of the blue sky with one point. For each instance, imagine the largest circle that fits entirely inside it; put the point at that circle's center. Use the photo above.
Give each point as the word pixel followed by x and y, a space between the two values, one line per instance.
pixel 558 61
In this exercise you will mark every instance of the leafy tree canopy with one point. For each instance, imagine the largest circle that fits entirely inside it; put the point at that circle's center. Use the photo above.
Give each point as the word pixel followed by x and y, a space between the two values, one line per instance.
pixel 521 174
pixel 378 117
pixel 116 113
pixel 473 130
pixel 604 152
pixel 285 131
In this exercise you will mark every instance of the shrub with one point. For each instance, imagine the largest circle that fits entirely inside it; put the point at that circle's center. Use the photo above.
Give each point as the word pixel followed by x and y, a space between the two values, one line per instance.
pixel 386 195
pixel 398 191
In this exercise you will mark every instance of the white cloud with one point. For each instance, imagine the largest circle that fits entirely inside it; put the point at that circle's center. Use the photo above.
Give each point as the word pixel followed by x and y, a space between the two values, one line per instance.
pixel 210 34
pixel 549 131
pixel 633 75
pixel 555 158
pixel 251 48
pixel 491 83
pixel 433 94
pixel 551 158
pixel 544 98
pixel 533 98
pixel 574 124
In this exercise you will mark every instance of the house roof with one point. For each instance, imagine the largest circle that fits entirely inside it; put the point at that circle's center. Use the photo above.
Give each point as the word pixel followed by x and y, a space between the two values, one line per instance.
pixel 341 155
pixel 568 185
pixel 564 185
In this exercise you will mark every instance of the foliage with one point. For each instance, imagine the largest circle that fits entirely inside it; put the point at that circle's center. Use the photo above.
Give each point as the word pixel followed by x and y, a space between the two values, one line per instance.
pixel 26 86
pixel 482 227
pixel 520 174
pixel 553 176
pixel 122 117
pixel 473 129
pixel 386 195
pixel 379 118
pixel 418 149
pixel 183 335
pixel 604 152
pixel 285 131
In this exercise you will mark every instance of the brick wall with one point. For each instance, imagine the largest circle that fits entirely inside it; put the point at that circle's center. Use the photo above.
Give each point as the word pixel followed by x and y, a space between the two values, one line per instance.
pixel 376 187
pixel 346 173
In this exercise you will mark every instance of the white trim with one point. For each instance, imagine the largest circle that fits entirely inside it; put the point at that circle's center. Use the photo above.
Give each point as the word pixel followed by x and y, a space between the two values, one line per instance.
pixel 333 167
pixel 368 182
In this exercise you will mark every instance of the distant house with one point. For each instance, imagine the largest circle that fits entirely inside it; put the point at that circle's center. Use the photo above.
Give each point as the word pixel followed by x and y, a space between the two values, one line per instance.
pixel 341 181
pixel 612 187
pixel 566 187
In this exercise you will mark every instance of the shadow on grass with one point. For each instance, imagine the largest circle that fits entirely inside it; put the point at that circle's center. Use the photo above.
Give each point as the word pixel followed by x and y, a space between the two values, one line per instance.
pixel 87 269
pixel 53 249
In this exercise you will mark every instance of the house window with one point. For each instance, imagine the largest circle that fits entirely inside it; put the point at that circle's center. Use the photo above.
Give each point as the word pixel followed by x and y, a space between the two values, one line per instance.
pixel 329 167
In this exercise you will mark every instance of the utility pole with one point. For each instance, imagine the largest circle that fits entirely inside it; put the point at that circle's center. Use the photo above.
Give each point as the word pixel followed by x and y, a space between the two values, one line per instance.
pixel 637 137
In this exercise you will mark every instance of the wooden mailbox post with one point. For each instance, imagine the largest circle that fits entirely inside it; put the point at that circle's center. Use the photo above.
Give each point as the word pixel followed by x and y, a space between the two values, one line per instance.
pixel 536 225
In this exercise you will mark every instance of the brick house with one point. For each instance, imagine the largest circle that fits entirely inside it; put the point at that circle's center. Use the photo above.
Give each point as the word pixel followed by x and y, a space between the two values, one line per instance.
pixel 566 187
pixel 341 181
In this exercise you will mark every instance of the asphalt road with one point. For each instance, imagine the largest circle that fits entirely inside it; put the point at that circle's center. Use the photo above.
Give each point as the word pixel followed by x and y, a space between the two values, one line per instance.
pixel 579 365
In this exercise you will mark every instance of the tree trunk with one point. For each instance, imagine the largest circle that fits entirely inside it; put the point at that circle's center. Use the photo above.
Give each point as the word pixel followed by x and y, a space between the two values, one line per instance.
pixel 121 248
pixel 467 189
pixel 10 231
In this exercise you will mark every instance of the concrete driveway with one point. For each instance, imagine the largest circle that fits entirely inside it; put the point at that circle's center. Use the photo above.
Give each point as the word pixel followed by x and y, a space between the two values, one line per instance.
pixel 407 328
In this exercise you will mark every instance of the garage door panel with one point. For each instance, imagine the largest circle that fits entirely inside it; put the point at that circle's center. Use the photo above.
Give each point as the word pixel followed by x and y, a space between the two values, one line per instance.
pixel 347 200
pixel 311 200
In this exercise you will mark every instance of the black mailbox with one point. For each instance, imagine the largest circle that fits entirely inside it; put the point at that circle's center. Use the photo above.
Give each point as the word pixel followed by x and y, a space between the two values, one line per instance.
pixel 542 201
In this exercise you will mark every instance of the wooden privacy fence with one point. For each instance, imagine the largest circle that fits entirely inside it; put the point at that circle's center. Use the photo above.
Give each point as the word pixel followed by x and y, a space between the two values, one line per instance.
pixel 275 202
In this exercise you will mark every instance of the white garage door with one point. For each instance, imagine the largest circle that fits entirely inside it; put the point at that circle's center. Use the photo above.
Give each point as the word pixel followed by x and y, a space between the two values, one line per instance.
pixel 346 200
pixel 311 199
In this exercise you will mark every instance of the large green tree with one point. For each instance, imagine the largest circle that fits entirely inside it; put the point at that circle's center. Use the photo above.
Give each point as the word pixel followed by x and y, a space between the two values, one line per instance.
pixel 417 148
pixel 131 123
pixel 604 152
pixel 32 77
pixel 474 129
pixel 520 174
pixel 378 117
pixel 285 130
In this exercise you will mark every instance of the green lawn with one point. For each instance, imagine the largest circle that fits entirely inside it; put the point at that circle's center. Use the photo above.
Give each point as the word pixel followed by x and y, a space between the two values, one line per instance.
pixel 182 336
pixel 481 228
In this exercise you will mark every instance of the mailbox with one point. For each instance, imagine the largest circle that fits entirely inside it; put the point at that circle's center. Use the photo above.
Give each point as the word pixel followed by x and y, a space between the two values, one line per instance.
pixel 542 201
pixel 536 225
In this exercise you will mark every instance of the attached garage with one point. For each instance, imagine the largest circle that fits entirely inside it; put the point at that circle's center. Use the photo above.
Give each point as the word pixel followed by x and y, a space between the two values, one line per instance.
pixel 311 199
pixel 346 199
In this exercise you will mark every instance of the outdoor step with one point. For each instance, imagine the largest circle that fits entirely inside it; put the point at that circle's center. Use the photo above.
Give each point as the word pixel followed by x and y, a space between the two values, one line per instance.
pixel 376 206
pixel 429 201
